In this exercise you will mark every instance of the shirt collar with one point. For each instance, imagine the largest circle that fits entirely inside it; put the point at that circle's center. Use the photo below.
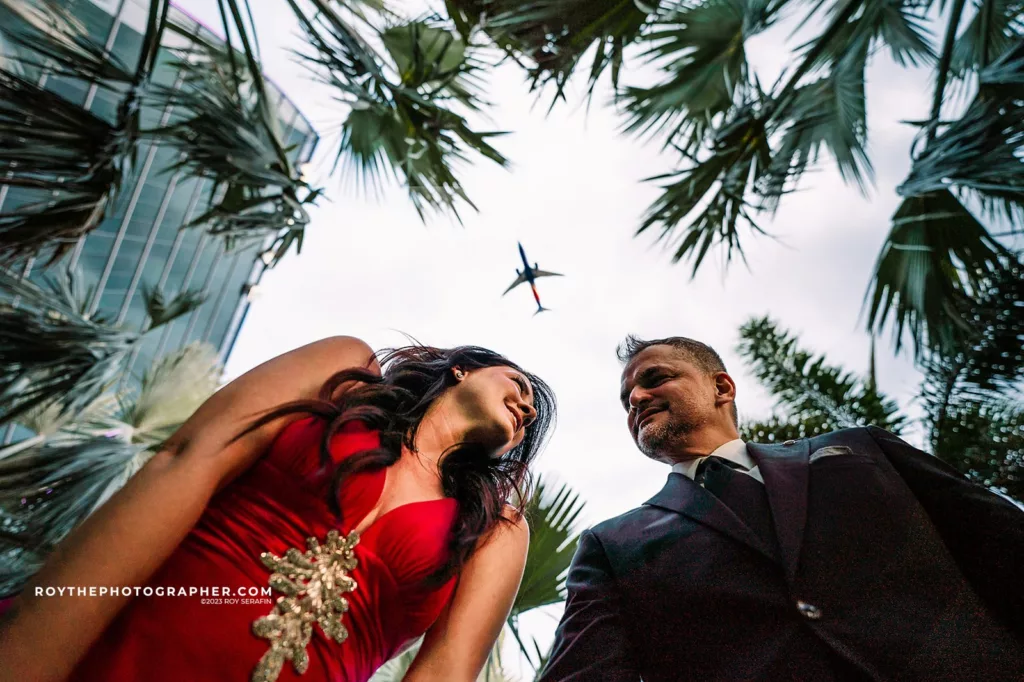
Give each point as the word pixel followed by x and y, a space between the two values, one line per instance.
pixel 734 450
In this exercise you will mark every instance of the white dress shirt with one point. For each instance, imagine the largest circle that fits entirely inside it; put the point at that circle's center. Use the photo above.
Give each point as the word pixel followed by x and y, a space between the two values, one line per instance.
pixel 734 451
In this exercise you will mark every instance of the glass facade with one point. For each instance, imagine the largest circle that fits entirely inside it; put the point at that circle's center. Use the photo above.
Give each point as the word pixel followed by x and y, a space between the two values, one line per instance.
pixel 140 244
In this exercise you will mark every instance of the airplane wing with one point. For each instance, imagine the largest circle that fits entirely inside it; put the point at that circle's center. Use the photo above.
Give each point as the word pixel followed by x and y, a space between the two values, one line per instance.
pixel 544 273
pixel 519 280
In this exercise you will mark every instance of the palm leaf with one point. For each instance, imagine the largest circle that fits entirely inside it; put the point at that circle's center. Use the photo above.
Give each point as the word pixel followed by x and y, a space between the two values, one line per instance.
pixel 714 196
pixel 53 40
pixel 936 256
pixel 983 150
pixel 401 123
pixel 778 429
pixel 77 159
pixel 53 353
pixel 50 144
pixel 995 27
pixel 162 311
pixel 899 25
pixel 816 397
pixel 553 516
pixel 984 440
pixel 171 390
pixel 221 134
pixel 550 38
pixel 45 492
pixel 830 114
pixel 974 408
pixel 700 47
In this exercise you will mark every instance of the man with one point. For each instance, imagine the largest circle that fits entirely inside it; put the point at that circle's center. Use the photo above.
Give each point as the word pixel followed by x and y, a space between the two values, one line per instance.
pixel 847 556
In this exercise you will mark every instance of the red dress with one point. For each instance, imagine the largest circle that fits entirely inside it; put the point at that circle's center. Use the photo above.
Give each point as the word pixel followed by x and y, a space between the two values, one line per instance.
pixel 276 505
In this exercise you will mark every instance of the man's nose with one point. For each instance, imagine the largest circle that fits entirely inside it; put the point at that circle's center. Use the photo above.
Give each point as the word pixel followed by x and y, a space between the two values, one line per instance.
pixel 638 399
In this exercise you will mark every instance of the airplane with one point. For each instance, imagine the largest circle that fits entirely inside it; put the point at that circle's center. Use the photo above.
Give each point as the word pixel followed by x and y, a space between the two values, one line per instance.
pixel 529 274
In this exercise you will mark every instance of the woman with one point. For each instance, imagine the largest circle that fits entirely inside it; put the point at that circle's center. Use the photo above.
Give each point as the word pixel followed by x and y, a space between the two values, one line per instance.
pixel 374 506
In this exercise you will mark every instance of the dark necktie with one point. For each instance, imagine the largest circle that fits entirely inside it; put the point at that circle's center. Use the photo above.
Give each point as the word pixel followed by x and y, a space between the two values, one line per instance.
pixel 742 493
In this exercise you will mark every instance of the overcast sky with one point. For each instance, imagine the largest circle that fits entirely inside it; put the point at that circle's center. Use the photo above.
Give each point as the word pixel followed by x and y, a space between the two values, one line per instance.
pixel 574 197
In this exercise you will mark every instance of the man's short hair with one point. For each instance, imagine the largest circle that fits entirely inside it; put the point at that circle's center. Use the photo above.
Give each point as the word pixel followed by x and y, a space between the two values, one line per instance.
pixel 700 354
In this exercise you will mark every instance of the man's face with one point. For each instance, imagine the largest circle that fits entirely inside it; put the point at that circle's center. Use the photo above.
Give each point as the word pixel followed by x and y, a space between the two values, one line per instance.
pixel 667 398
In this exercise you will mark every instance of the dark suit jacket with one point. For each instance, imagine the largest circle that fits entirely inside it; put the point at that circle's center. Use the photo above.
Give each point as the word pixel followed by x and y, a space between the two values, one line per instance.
pixel 891 566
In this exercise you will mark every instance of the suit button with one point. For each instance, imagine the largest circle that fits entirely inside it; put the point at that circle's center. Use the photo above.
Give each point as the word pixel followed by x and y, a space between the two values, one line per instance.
pixel 809 611
pixel 789 442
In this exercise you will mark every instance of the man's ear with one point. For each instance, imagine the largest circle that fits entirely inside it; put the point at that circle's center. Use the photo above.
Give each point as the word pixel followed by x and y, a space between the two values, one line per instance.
pixel 725 388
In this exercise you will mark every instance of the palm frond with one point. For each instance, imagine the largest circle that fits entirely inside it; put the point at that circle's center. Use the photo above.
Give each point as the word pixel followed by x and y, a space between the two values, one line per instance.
pixel 550 38
pixel 53 353
pixel 402 124
pixel 700 47
pixel 162 311
pixel 46 491
pixel 983 151
pixel 779 429
pixel 972 400
pixel 75 159
pixel 994 28
pixel 816 397
pixel 552 515
pixel 52 39
pixel 50 144
pixel 171 390
pixel 936 255
pixel 830 114
pixel 899 25
pixel 221 134
pixel 717 195
pixel 984 440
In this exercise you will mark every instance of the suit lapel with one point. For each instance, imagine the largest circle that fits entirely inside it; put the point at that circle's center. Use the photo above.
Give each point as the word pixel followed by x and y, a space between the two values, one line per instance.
pixel 685 497
pixel 785 472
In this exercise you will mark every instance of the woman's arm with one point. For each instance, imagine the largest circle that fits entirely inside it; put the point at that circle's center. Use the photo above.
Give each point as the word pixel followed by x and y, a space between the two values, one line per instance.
pixel 127 539
pixel 457 645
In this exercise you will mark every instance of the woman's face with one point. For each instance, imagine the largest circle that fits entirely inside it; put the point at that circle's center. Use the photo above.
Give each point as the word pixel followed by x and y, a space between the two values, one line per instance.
pixel 497 406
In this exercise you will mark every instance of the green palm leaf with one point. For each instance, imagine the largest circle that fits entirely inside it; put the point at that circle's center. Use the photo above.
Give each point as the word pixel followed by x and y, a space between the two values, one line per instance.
pixel 553 516
pixel 995 27
pixel 972 396
pixel 700 47
pixel 76 159
pixel 46 491
pixel 55 353
pixel 221 133
pixel 816 397
pixel 51 482
pixel 400 120
pixel 830 114
pixel 550 38
pixel 715 196
pixel 936 256
pixel 171 390
pixel 983 150
pixel 52 352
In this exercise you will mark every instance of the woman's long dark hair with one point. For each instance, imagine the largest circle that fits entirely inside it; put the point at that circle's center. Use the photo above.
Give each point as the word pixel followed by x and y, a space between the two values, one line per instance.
pixel 394 403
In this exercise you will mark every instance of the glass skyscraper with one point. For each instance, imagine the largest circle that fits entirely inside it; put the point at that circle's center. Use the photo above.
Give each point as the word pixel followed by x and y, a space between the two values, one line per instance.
pixel 140 244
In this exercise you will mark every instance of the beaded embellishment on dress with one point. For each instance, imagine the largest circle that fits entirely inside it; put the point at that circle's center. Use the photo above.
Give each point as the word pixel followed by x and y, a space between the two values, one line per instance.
pixel 313 584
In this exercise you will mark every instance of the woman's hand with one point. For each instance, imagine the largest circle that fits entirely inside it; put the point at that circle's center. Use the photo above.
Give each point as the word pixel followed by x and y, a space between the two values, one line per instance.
pixel 456 647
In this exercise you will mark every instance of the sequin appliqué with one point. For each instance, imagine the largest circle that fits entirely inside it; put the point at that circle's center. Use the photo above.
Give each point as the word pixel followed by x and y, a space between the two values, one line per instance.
pixel 313 585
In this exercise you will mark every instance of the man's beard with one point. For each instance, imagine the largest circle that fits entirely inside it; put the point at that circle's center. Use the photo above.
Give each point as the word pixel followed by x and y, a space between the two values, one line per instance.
pixel 660 438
